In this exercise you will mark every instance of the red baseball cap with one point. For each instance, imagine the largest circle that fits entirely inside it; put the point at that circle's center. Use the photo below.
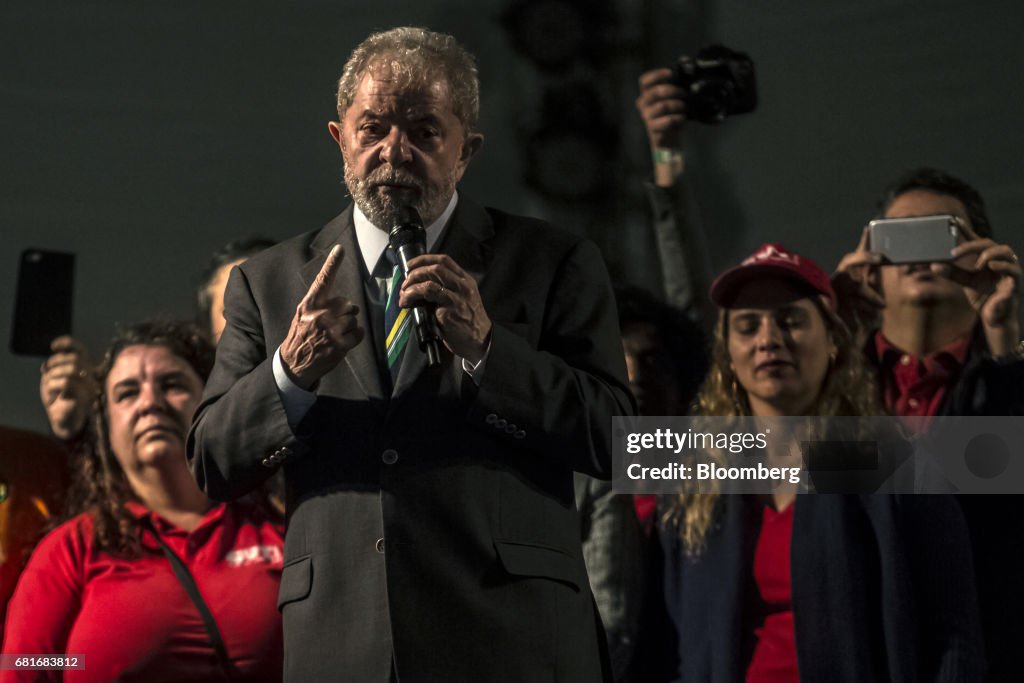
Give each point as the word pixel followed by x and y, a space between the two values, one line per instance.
pixel 772 260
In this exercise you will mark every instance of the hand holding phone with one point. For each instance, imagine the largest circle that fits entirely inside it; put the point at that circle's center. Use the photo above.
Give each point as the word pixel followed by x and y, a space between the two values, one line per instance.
pixel 990 274
pixel 67 387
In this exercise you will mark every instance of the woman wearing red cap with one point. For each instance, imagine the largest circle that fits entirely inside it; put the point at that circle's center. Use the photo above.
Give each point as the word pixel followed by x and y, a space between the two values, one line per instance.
pixel 833 588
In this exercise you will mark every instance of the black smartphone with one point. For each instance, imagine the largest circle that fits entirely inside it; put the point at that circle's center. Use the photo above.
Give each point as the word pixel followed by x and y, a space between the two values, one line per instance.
pixel 920 239
pixel 42 304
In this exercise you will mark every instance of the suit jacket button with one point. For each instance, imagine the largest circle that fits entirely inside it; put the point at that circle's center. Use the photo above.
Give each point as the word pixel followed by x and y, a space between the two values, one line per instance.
pixel 511 428
pixel 380 546
pixel 285 451
pixel 267 462
pixel 390 456
pixel 520 434
pixel 500 424
pixel 491 419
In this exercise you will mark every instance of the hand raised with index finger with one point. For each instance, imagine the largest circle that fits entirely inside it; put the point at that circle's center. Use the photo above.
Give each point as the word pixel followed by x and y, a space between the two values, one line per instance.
pixel 321 287
pixel 325 328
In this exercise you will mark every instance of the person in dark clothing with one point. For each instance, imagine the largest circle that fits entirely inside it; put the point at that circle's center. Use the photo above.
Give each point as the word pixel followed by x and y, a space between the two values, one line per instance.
pixel 458 553
pixel 944 340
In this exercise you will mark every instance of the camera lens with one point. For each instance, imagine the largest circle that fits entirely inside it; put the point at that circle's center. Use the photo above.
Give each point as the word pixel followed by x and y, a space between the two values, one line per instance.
pixel 715 99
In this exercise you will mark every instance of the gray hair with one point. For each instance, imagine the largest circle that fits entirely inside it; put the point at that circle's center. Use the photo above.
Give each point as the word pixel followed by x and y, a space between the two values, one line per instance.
pixel 416 56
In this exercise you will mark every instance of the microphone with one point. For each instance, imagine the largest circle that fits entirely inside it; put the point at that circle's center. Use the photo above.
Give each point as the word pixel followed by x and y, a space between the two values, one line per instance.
pixel 409 240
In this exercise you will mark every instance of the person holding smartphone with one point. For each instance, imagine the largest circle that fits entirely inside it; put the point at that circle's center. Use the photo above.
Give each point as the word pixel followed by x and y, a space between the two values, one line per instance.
pixel 925 308
pixel 943 339
pixel 147 578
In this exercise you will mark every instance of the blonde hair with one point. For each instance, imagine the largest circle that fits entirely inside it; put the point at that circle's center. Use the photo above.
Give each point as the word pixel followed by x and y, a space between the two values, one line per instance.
pixel 849 389
pixel 415 57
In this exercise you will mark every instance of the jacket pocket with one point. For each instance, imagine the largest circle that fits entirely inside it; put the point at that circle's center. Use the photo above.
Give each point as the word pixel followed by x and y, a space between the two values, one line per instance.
pixel 296 581
pixel 520 559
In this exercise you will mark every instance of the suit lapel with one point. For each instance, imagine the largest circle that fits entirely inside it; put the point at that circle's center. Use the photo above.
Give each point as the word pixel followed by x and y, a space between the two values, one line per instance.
pixel 465 240
pixel 360 362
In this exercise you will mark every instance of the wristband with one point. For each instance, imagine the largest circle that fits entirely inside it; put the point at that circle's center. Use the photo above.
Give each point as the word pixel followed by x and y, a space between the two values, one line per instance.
pixel 664 155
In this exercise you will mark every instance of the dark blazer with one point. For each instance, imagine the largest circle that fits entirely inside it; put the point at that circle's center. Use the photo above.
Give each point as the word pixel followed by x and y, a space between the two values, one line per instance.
pixel 989 387
pixel 882 590
pixel 436 524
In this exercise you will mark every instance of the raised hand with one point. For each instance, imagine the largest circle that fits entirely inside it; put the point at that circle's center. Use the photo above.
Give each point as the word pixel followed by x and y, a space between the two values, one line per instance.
pixel 324 329
pixel 67 387
pixel 437 279
pixel 990 274
pixel 857 275
pixel 661 107
pixel 856 284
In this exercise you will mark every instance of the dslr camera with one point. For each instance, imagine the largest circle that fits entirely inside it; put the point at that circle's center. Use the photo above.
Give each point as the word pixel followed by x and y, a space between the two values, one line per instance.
pixel 718 82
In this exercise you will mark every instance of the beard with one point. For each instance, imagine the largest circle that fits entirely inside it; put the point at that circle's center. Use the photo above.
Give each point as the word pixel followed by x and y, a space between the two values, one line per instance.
pixel 379 205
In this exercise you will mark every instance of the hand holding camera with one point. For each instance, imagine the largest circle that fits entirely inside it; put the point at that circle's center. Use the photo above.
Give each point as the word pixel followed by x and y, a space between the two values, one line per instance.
pixel 715 84
pixel 662 108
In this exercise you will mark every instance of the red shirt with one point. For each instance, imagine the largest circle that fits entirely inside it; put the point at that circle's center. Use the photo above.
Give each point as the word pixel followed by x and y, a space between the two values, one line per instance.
pixel 645 505
pixel 774 659
pixel 133 618
pixel 915 387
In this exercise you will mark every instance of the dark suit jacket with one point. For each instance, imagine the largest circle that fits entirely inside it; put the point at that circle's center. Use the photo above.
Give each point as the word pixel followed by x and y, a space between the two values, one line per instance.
pixel 988 387
pixel 471 489
pixel 882 590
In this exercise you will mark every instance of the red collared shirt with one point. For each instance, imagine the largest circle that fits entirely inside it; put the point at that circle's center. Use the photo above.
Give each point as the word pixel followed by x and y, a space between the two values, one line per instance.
pixel 916 386
pixel 133 618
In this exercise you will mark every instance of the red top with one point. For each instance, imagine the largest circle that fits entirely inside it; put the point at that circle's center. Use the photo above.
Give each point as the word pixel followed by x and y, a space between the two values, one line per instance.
pixel 645 506
pixel 133 618
pixel 774 659
pixel 915 387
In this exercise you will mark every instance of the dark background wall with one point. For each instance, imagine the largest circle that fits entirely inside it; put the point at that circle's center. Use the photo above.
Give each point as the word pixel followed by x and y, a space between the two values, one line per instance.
pixel 142 136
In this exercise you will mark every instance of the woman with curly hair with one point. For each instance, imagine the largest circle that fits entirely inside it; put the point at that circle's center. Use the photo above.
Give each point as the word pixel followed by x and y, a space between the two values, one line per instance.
pixel 149 579
pixel 830 588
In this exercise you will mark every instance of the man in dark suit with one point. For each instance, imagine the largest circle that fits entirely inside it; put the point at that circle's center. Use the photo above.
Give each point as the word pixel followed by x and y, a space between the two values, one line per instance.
pixel 432 532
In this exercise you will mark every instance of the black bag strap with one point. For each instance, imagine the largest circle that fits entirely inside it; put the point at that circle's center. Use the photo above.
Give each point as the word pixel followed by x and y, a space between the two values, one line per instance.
pixel 189 584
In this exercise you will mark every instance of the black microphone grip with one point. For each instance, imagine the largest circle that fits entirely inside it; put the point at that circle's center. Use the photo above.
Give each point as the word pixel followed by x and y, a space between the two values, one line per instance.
pixel 409 240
